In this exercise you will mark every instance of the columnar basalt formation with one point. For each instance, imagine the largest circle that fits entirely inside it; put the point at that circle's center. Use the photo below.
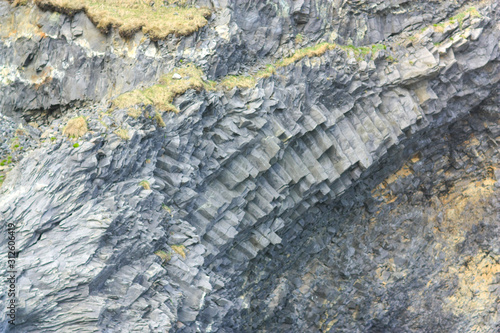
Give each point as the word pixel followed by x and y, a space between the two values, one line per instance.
pixel 327 197
pixel 422 241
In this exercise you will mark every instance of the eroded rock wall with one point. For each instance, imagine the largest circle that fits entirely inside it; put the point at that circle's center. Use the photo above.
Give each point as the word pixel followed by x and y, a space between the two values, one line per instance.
pixel 303 140
pixel 264 192
pixel 51 61
pixel 417 252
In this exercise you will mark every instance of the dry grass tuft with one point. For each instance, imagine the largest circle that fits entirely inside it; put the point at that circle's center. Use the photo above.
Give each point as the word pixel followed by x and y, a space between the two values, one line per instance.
pixel 180 250
pixel 165 256
pixel 134 112
pixel 16 3
pixel 241 81
pixel 76 127
pixel 267 72
pixel 313 51
pixel 161 95
pixel 145 184
pixel 167 209
pixel 122 133
pixel 159 119
pixel 299 39
pixel 130 16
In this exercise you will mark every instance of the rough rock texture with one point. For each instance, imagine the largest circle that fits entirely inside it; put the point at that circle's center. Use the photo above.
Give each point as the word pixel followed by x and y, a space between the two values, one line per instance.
pixel 268 28
pixel 420 252
pixel 327 198
pixel 52 61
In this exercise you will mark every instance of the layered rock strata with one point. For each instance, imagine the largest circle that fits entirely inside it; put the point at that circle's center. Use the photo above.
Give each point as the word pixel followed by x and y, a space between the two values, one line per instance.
pixel 253 194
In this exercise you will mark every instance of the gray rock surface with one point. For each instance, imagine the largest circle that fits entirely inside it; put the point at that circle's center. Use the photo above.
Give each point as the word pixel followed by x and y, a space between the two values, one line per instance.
pixel 264 210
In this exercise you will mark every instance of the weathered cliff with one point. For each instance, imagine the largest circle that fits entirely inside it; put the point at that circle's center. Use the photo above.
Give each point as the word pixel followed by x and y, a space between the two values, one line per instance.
pixel 351 189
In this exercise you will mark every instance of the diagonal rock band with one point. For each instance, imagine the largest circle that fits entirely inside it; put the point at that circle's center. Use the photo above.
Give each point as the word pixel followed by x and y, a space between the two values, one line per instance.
pixel 337 173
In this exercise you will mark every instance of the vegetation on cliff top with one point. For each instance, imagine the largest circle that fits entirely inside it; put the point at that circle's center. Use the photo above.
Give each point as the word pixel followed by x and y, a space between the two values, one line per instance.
pixel 130 16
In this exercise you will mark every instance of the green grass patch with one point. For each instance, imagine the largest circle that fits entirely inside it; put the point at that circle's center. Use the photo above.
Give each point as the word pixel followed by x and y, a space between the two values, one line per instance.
pixel 378 47
pixel 460 18
pixel 360 52
pixel 6 161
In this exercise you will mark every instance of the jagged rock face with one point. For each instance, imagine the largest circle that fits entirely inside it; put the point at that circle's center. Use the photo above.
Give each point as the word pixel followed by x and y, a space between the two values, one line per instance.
pixel 51 60
pixel 85 65
pixel 267 26
pixel 419 251
pixel 327 198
